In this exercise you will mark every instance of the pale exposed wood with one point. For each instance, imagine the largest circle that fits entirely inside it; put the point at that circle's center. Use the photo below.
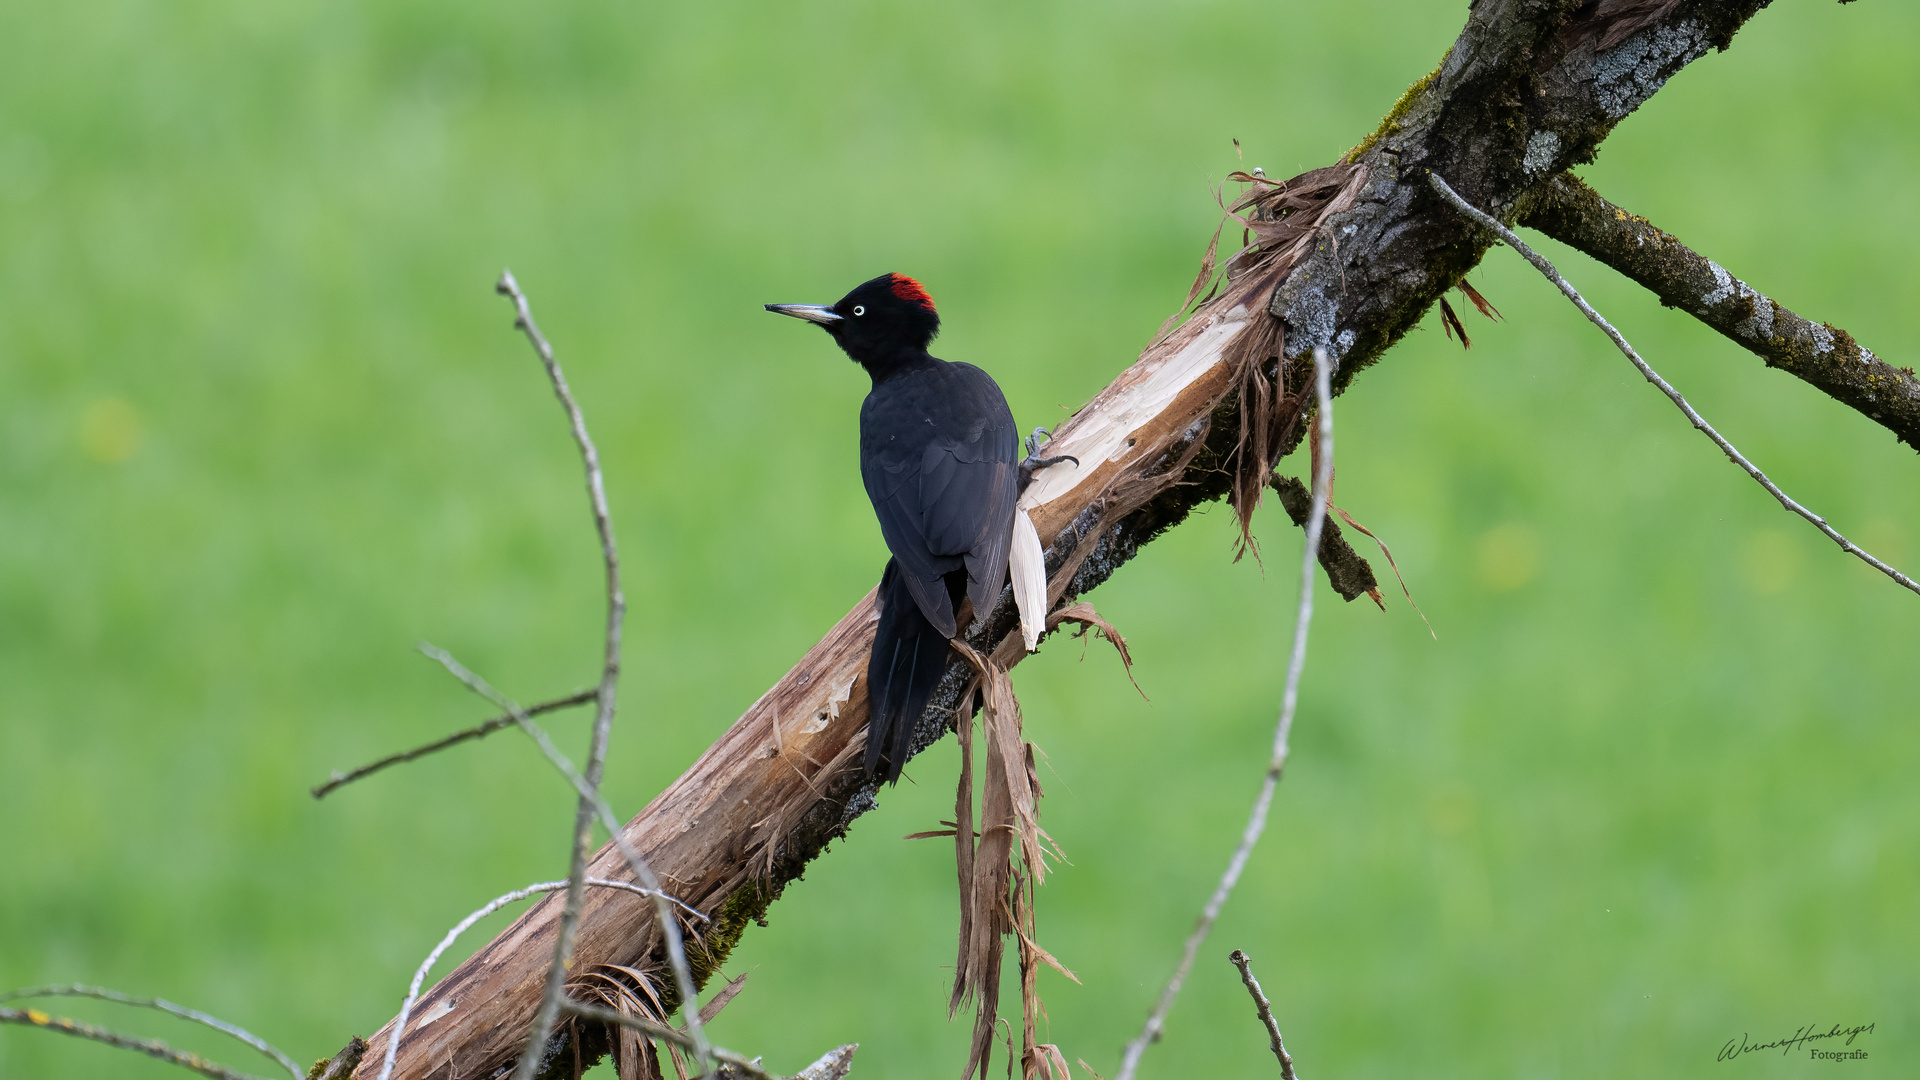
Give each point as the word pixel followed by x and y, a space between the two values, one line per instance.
pixel 1027 567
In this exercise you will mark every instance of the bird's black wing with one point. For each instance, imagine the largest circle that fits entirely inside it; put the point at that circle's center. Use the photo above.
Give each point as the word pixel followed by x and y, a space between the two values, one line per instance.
pixel 939 456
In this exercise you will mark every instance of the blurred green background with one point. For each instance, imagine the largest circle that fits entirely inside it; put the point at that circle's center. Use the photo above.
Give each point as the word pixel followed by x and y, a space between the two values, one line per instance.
pixel 263 425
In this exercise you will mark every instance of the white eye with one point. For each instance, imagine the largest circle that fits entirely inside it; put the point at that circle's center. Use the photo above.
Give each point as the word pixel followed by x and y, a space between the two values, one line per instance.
pixel 859 310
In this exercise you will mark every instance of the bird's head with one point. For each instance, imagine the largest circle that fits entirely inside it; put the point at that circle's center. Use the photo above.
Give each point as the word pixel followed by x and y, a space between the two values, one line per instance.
pixel 881 321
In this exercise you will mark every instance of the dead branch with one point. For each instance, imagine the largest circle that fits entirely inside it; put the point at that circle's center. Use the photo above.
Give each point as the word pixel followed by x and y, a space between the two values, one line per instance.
pixel 1289 703
pixel 153 1048
pixel 478 731
pixel 102 993
pixel 1347 570
pixel 548 1011
pixel 1546 268
pixel 1825 357
pixel 563 944
pixel 590 794
pixel 1524 92
pixel 1264 1009
pixel 341 1066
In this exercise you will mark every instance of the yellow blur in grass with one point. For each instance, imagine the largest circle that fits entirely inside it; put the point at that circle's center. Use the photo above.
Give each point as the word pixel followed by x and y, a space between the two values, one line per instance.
pixel 110 430
pixel 1507 556
pixel 1451 810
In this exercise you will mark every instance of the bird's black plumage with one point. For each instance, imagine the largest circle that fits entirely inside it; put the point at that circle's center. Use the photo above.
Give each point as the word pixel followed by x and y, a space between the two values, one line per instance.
pixel 939 457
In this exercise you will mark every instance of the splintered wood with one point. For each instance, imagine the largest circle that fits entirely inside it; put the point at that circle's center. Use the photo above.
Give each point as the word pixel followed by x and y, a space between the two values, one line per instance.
pixel 1009 811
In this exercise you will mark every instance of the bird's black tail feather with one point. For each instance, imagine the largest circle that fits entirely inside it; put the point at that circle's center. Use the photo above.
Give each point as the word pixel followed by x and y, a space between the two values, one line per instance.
pixel 909 657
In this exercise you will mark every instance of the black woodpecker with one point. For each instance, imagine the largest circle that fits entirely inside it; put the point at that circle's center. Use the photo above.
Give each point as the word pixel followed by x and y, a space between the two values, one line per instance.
pixel 940 458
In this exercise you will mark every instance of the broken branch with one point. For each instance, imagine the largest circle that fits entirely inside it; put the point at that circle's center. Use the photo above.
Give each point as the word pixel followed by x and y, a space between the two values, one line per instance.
pixel 478 731
pixel 1347 570
pixel 1265 1009
pixel 1824 357
pixel 103 994
pixel 153 1048
pixel 1546 268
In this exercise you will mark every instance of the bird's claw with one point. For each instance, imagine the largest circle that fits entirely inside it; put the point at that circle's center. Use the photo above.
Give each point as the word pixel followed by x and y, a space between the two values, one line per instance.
pixel 1033 462
pixel 1034 442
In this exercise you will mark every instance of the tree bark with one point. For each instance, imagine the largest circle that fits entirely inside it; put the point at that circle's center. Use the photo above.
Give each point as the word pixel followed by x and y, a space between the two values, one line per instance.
pixel 1525 92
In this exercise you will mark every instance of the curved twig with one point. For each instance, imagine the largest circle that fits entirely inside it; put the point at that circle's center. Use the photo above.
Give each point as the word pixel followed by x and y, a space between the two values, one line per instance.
pixel 153 1048
pixel 1289 703
pixel 104 994
pixel 491 906
pixel 590 801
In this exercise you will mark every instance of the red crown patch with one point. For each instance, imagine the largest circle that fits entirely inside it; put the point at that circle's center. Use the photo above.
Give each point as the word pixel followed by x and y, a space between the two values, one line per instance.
pixel 911 291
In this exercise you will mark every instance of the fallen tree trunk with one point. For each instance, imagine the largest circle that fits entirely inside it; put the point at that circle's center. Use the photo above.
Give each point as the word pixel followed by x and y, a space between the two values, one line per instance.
pixel 1529 88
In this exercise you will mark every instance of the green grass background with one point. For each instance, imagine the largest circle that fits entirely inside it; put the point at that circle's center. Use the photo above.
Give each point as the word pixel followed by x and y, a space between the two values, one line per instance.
pixel 263 425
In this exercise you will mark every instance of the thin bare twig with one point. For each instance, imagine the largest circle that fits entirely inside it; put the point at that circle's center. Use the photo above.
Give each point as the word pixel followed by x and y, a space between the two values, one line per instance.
pixel 1265 1009
pixel 498 902
pixel 596 484
pixel 342 779
pixel 153 1048
pixel 661 1031
pixel 1289 703
pixel 549 1009
pixel 104 994
pixel 670 926
pixel 1541 264
pixel 590 800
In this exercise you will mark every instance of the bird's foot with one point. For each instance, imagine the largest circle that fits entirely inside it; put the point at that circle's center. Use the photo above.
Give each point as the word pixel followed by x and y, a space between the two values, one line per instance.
pixel 1035 463
pixel 1034 442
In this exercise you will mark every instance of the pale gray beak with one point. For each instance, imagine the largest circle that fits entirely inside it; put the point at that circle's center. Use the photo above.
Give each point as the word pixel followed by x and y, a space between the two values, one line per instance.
pixel 813 313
